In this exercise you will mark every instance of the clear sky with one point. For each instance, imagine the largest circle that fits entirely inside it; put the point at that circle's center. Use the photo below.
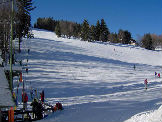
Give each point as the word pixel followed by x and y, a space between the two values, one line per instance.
pixel 137 16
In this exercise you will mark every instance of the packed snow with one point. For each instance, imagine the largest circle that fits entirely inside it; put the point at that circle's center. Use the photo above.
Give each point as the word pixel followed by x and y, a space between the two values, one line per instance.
pixel 5 93
pixel 95 82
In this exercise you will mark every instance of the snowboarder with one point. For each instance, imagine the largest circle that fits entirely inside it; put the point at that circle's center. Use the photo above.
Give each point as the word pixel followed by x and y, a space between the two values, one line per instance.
pixel 145 82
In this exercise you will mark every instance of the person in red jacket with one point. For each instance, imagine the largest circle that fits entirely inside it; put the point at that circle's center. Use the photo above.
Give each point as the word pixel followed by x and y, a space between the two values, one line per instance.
pixel 42 96
pixel 145 82
pixel 25 99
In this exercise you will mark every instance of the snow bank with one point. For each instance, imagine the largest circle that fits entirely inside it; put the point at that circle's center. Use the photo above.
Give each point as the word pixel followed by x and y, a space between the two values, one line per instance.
pixel 152 116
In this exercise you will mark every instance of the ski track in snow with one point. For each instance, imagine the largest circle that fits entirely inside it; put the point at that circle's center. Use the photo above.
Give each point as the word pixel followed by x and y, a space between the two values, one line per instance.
pixel 93 76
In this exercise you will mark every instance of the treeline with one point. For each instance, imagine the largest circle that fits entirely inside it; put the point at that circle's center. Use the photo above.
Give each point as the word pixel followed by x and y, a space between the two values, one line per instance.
pixel 151 41
pixel 84 31
pixel 21 22
pixel 62 28
pixel 97 32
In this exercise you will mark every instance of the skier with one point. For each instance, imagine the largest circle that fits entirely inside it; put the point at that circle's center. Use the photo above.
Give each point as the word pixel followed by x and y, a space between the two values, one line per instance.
pixel 145 82
pixel 155 74
pixel 26 70
pixel 25 99
pixel 28 51
pixel 158 75
pixel 31 93
pixel 34 105
pixel 35 94
pixel 39 112
pixel 42 96
pixel 37 109
pixel 134 67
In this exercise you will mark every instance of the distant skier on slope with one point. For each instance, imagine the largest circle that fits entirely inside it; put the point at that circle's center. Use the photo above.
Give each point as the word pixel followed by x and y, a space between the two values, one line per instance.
pixel 134 67
pixel 155 74
pixel 146 82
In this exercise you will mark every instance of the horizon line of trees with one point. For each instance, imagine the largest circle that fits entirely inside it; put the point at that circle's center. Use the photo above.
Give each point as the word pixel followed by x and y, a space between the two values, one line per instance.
pixel 98 32
pixel 84 31
pixel 151 41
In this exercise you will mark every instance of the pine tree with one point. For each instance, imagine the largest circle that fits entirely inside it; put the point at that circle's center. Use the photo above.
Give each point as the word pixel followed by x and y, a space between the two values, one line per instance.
pixel 113 37
pixel 121 36
pixel 147 42
pixel 23 18
pixel 128 37
pixel 85 30
pixel 77 30
pixel 97 30
pixel 124 36
pixel 104 32
pixel 92 33
pixel 57 30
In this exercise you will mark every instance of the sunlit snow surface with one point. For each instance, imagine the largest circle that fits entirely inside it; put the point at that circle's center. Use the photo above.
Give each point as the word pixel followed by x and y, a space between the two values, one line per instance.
pixel 96 82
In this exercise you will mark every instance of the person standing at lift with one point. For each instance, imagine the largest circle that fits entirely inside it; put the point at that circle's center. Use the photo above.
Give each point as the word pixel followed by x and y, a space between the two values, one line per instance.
pixel 42 96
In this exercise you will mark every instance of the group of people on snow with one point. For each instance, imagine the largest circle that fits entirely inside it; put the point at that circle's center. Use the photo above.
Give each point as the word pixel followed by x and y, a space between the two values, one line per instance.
pixel 157 74
pixel 37 109
pixel 146 82
pixel 37 106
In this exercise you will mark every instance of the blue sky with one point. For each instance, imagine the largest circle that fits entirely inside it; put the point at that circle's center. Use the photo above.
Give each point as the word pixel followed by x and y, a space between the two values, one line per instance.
pixel 137 16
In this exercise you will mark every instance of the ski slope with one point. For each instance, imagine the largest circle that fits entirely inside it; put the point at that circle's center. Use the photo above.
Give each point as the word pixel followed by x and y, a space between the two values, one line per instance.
pixel 95 81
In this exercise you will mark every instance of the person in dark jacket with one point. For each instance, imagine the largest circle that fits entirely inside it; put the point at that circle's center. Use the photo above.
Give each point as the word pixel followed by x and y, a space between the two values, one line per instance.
pixel 34 105
pixel 39 112
pixel 37 109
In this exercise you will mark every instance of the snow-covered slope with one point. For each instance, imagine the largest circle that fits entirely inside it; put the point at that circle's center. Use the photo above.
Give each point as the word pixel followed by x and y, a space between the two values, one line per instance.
pixel 94 81
pixel 150 116
pixel 124 53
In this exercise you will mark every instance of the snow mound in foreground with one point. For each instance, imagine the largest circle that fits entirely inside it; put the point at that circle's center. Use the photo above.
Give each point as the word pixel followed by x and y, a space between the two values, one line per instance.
pixel 152 116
